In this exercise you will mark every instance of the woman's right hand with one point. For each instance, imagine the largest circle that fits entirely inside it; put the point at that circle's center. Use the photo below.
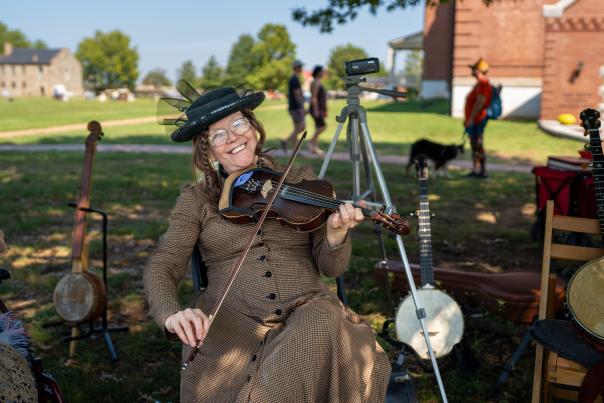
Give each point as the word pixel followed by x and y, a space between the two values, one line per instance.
pixel 191 325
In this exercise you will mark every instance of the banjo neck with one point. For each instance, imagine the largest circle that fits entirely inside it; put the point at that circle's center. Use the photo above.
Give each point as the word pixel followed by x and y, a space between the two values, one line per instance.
pixel 425 235
pixel 424 231
pixel 79 261
pixel 591 124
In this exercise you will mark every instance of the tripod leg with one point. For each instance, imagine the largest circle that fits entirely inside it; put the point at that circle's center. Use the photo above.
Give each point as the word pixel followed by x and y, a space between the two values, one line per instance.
pixel 109 344
pixel 330 150
pixel 421 313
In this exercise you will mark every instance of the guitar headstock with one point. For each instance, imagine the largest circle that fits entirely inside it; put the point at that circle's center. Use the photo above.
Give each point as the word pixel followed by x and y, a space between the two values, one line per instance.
pixel 421 166
pixel 96 132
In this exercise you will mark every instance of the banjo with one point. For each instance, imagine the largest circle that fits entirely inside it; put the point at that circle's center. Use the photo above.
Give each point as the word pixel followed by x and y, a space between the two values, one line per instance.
pixel 444 321
pixel 80 295
pixel 585 294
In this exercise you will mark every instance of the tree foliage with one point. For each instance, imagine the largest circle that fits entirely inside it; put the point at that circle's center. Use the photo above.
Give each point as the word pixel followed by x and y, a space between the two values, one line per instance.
pixel 335 65
pixel 343 11
pixel 187 72
pixel 18 39
pixel 157 78
pixel 212 74
pixel 108 60
pixel 263 62
pixel 241 61
pixel 273 54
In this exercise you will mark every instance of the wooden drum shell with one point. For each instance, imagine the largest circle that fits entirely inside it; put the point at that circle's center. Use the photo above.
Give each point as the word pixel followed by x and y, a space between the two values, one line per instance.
pixel 80 296
pixel 585 298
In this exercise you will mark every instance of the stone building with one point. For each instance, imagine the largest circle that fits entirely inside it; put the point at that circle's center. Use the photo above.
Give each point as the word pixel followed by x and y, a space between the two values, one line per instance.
pixel 35 72
pixel 547 54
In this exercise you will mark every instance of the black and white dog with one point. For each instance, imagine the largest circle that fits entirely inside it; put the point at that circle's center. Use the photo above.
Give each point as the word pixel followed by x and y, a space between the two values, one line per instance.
pixel 439 154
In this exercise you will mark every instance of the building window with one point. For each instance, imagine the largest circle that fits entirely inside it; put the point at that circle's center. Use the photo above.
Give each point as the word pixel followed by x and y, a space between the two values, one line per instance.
pixel 23 69
pixel 24 84
pixel 14 84
pixel 2 68
pixel 14 69
pixel 42 92
pixel 3 84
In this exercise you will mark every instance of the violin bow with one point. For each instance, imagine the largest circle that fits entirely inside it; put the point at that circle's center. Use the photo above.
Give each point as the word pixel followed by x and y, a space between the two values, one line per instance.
pixel 243 255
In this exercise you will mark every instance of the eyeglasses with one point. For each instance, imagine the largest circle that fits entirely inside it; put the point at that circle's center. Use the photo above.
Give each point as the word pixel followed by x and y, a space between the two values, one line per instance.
pixel 220 136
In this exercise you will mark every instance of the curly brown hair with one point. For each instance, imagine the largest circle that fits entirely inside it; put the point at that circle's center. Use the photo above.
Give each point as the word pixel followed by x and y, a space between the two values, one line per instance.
pixel 202 157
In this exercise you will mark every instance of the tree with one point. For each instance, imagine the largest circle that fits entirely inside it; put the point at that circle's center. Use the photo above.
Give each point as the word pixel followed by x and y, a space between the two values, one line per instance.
pixel 241 61
pixel 18 38
pixel 187 73
pixel 108 60
pixel 157 78
pixel 212 75
pixel 335 65
pixel 273 54
pixel 343 11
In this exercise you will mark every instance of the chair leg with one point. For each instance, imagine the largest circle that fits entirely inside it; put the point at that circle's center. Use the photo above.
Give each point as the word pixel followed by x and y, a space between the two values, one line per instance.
pixel 537 374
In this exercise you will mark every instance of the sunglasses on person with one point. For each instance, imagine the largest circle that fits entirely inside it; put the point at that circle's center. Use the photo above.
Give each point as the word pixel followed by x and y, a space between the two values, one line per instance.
pixel 219 137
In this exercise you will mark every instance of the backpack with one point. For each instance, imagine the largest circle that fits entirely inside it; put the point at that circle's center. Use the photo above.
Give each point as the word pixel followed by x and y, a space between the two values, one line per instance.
pixel 494 109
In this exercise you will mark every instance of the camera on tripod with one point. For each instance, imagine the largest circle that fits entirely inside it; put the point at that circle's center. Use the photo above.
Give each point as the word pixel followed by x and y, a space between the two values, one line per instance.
pixel 362 66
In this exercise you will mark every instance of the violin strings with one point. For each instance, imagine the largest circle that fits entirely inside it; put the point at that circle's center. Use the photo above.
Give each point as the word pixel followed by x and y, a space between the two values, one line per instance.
pixel 315 197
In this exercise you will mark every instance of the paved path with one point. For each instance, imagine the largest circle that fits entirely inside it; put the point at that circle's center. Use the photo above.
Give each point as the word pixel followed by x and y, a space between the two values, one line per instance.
pixel 166 149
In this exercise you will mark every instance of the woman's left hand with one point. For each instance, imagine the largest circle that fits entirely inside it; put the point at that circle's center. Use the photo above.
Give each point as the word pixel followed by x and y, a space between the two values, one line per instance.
pixel 339 222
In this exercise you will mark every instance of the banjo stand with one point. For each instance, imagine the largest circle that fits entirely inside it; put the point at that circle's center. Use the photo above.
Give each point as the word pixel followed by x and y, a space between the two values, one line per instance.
pixel 104 329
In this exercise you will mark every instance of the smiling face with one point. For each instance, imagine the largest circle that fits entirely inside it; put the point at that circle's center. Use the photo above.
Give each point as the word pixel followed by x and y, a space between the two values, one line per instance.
pixel 238 152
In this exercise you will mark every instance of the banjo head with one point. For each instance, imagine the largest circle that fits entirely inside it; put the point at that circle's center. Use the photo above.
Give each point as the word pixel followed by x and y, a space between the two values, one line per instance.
pixel 586 299
pixel 79 296
pixel 444 322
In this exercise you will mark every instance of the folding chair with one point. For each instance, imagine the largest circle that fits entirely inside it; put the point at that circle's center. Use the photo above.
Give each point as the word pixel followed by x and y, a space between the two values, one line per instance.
pixel 560 376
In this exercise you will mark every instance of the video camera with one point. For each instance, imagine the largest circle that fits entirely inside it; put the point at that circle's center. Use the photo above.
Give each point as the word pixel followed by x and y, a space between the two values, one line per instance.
pixel 362 66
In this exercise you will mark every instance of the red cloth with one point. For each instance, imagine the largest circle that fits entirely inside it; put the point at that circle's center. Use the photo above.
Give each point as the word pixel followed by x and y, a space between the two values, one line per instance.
pixel 482 87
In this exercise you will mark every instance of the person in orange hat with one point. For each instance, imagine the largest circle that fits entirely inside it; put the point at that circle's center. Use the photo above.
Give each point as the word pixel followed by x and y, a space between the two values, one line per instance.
pixel 477 102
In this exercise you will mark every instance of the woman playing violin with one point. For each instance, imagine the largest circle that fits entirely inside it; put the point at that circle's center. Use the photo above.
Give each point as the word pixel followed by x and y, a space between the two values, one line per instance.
pixel 281 335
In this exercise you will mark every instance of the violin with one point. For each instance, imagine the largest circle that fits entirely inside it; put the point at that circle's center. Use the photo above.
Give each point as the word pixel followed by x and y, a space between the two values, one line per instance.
pixel 303 206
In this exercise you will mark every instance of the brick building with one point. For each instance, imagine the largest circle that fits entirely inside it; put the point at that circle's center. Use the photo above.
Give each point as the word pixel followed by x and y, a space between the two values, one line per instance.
pixel 35 72
pixel 547 54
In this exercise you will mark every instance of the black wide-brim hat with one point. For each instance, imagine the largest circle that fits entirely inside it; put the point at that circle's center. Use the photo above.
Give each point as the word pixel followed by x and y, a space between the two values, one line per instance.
pixel 196 112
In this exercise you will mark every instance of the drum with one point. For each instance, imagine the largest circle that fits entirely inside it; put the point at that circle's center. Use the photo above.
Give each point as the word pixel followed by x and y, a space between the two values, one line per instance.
pixel 585 298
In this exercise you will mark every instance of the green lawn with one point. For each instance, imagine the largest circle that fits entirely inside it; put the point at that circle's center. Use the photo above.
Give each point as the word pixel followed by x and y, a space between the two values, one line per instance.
pixel 138 191
pixel 393 126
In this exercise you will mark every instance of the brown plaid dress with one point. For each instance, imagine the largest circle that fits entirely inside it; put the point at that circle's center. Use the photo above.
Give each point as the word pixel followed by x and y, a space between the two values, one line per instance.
pixel 281 335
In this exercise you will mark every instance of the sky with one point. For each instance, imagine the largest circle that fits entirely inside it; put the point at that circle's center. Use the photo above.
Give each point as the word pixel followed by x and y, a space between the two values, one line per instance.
pixel 168 33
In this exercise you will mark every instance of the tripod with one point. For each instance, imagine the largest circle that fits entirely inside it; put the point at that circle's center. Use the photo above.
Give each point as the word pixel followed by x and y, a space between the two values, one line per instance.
pixel 359 140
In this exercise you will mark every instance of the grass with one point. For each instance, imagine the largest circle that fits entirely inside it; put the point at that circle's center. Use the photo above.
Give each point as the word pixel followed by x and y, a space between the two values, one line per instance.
pixel 138 192
pixel 393 126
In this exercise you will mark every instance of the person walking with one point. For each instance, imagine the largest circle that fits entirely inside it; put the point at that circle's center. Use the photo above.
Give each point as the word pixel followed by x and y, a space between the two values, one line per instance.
pixel 295 105
pixel 318 108
pixel 477 102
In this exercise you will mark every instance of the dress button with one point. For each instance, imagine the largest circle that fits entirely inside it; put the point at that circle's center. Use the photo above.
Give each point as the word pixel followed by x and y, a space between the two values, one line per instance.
pixel 263 257
pixel 268 274
pixel 278 312
pixel 259 232
pixel 272 295
pixel 254 357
